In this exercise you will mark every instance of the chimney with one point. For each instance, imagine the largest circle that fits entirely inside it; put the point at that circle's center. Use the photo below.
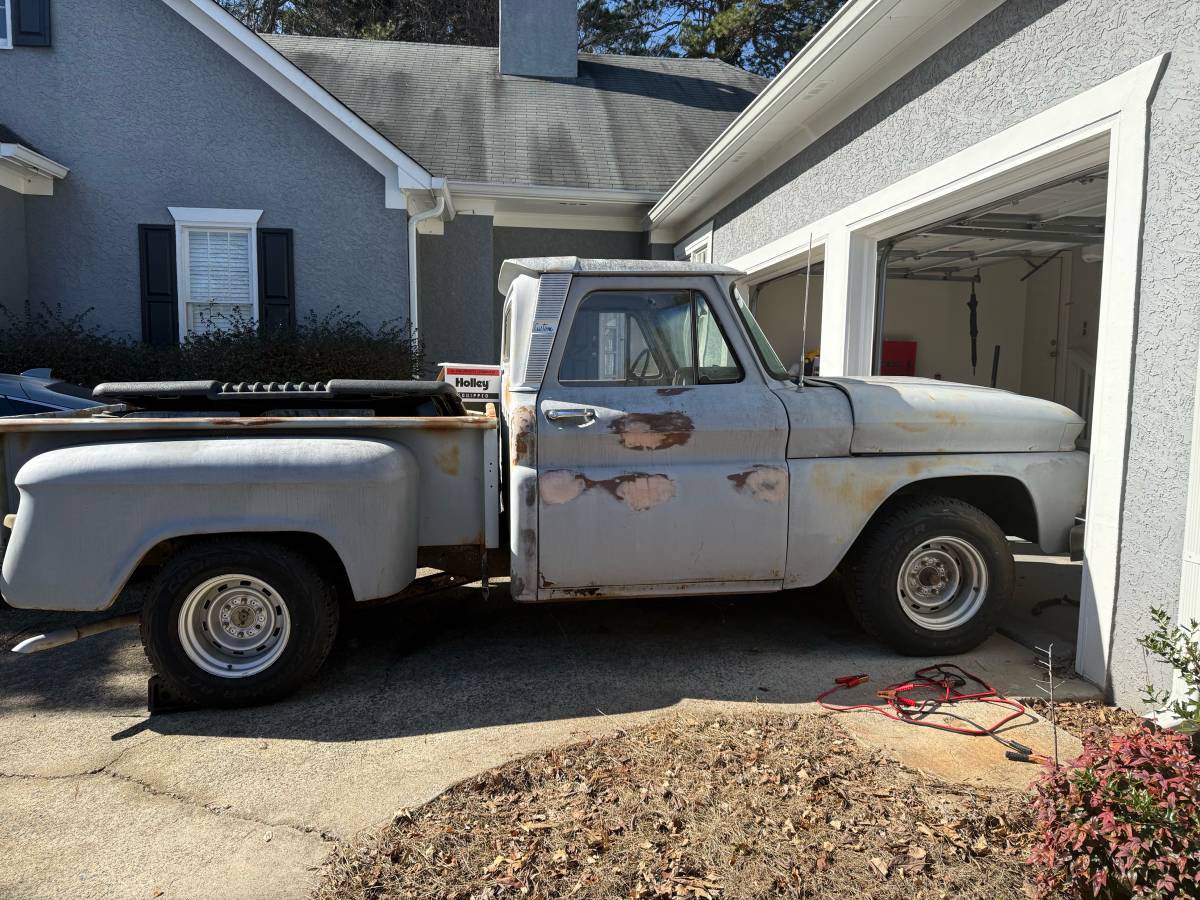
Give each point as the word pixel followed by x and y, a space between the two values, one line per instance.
pixel 539 38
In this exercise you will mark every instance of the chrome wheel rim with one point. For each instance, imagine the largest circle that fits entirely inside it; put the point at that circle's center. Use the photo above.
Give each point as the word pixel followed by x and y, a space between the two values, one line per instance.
pixel 234 626
pixel 942 583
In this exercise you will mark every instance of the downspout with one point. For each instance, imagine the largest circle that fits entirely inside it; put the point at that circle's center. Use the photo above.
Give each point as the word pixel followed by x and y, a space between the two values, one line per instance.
pixel 443 203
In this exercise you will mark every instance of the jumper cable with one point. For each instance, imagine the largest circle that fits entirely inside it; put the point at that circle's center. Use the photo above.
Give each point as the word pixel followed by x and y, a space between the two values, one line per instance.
pixel 950 684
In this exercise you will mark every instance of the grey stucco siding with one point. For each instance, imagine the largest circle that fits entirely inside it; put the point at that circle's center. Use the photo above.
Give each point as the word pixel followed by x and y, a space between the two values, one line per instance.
pixel 514 243
pixel 148 113
pixel 1021 59
pixel 456 291
pixel 13 268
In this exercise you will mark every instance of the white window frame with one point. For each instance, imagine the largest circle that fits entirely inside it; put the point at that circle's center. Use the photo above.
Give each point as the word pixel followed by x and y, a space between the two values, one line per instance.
pixel 699 241
pixel 6 43
pixel 1105 125
pixel 188 218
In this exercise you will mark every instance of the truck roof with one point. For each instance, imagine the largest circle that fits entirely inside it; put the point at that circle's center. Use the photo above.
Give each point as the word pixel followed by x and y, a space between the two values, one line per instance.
pixel 539 265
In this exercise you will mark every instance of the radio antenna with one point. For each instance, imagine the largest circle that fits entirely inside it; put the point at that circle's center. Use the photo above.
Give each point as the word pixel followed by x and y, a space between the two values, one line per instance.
pixel 804 315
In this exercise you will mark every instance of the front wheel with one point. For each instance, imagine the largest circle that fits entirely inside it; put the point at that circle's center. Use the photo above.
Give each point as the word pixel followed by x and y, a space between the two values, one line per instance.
pixel 931 576
pixel 238 621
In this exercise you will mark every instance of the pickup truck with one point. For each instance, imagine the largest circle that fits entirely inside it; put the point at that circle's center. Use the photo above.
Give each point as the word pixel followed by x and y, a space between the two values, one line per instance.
pixel 649 442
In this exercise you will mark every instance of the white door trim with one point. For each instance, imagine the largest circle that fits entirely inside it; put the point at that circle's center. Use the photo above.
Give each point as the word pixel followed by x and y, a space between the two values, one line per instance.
pixel 1106 125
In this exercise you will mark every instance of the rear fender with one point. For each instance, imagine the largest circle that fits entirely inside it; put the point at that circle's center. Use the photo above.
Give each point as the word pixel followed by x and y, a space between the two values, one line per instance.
pixel 87 515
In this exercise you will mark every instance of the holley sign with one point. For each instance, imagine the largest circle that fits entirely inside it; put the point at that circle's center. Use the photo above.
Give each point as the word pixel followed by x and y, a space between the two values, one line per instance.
pixel 472 380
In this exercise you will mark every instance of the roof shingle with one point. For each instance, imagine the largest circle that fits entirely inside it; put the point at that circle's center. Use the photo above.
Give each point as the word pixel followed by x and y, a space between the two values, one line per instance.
pixel 626 122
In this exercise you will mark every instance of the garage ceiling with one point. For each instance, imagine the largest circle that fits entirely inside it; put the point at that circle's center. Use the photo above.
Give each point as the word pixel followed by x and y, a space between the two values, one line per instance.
pixel 1034 226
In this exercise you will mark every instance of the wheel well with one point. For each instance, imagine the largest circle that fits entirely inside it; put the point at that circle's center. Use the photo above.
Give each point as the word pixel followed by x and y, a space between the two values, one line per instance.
pixel 1006 500
pixel 311 545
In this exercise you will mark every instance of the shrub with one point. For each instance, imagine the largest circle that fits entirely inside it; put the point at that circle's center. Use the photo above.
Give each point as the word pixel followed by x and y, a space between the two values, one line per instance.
pixel 1179 647
pixel 335 345
pixel 1123 820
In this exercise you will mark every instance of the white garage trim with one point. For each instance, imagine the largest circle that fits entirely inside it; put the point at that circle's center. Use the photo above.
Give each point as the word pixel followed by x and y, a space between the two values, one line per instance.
pixel 1106 125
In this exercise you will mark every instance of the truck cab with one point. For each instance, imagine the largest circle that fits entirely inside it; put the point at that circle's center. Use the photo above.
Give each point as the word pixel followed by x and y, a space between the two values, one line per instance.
pixel 657 446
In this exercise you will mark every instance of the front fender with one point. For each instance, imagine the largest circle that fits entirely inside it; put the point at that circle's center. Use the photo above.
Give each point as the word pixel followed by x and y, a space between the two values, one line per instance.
pixel 87 515
pixel 832 500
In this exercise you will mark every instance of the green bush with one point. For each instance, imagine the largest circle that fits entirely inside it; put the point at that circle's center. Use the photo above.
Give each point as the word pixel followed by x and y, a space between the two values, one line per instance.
pixel 335 345
pixel 1179 647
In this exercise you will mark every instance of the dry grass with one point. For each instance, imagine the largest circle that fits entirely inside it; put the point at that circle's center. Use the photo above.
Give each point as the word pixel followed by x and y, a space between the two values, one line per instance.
pixel 732 807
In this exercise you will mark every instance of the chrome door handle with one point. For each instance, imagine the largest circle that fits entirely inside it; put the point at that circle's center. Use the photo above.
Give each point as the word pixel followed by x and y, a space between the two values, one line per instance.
pixel 572 414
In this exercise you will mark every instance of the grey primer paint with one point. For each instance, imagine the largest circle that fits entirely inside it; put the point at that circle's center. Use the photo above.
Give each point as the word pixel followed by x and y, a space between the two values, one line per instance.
pixel 1023 58
pixel 148 113
pixel 13 268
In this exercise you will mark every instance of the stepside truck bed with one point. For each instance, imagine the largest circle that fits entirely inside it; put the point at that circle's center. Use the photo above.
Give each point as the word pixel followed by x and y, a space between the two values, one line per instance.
pixel 454 479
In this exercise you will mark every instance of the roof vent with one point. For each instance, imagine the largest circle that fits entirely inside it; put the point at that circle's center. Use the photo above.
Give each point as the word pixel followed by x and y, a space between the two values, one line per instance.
pixel 539 38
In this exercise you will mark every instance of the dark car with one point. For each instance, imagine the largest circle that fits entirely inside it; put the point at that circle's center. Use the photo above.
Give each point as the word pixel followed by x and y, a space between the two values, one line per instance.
pixel 37 391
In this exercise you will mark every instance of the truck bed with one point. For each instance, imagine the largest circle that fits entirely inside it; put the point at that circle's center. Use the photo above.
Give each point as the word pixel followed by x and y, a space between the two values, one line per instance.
pixel 457 454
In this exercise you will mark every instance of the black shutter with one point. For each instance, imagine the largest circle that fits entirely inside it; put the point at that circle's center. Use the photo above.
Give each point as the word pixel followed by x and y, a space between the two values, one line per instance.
pixel 160 300
pixel 31 23
pixel 276 279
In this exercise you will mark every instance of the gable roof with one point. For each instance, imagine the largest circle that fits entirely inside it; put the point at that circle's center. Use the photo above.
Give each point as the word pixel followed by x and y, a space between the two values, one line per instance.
pixel 625 123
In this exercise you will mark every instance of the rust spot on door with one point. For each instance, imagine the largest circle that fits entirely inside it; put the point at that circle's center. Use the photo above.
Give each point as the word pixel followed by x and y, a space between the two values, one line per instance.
pixel 523 425
pixel 766 483
pixel 653 431
pixel 561 486
pixel 447 459
pixel 639 491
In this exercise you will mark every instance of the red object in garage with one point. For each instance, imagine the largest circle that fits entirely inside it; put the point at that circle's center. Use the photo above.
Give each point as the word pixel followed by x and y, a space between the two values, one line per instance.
pixel 899 358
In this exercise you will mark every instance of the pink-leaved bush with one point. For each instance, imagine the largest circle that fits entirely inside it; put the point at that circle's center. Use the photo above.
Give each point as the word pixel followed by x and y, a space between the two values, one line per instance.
pixel 1122 820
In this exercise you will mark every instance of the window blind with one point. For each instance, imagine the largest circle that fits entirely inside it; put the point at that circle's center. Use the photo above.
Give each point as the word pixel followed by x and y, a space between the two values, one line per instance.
pixel 218 278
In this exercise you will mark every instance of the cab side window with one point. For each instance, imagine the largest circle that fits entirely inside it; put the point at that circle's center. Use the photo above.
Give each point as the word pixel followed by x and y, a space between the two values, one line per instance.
pixel 637 338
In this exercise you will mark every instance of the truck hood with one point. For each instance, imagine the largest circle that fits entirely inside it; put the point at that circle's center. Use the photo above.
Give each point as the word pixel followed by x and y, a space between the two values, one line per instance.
pixel 921 415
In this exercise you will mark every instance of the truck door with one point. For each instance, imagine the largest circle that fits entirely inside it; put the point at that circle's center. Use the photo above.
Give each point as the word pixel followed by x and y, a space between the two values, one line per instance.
pixel 661 451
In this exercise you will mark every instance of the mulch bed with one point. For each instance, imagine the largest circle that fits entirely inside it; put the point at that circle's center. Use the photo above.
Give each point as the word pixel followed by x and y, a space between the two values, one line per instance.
pixel 730 807
pixel 1082 717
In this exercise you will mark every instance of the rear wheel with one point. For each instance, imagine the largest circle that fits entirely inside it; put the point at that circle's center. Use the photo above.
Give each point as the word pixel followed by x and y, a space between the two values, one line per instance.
pixel 931 576
pixel 238 621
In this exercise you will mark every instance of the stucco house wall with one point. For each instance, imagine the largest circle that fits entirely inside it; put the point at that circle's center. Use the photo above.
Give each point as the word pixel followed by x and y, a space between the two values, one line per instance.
pixel 13 273
pixel 1023 58
pixel 148 113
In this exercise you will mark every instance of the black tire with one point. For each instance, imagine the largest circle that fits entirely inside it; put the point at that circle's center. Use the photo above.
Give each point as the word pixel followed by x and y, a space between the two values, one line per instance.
pixel 298 588
pixel 875 565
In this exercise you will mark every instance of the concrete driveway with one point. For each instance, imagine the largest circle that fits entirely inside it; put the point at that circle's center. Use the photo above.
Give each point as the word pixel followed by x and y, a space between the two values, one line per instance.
pixel 100 800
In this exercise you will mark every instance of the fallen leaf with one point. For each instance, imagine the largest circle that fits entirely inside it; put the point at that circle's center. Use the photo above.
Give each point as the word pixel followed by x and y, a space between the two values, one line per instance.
pixel 880 866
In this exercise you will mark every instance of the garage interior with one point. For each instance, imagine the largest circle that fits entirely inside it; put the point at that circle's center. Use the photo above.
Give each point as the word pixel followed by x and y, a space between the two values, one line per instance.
pixel 1007 296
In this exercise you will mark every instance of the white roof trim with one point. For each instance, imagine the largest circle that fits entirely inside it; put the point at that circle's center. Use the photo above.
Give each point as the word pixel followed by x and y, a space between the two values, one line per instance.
pixel 28 172
pixel 864 48
pixel 551 192
pixel 400 171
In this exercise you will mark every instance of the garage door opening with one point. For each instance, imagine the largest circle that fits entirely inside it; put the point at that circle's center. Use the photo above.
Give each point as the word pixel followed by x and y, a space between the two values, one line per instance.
pixel 778 306
pixel 1007 296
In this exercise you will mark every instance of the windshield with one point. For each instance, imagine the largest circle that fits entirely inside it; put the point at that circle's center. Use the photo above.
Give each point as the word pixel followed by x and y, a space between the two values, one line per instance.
pixel 770 359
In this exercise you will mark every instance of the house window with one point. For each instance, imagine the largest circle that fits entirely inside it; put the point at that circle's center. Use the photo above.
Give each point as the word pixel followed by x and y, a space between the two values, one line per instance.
pixel 218 268
pixel 5 24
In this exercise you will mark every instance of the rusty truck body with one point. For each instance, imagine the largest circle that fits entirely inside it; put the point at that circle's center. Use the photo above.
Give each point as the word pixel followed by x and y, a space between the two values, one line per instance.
pixel 648 442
